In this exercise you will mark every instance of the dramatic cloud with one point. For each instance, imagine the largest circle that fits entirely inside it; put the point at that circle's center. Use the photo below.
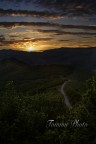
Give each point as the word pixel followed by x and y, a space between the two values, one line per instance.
pixel 12 41
pixel 65 7
pixel 2 38
pixel 74 7
pixel 44 14
pixel 17 24
pixel 13 36
pixel 42 24
pixel 47 23
pixel 60 32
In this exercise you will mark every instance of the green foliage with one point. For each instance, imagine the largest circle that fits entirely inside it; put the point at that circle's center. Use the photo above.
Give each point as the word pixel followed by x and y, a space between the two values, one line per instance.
pixel 26 104
pixel 24 117
pixel 86 111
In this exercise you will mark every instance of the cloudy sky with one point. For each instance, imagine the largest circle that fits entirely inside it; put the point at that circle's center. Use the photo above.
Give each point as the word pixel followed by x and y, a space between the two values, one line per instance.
pixel 46 24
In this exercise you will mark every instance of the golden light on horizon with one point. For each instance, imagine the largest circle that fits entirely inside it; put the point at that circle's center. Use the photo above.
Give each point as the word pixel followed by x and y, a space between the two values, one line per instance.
pixel 39 46
pixel 30 48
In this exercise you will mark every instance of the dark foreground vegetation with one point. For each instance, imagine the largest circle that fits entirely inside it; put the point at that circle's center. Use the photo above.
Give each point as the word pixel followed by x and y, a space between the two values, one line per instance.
pixel 26 105
pixel 23 117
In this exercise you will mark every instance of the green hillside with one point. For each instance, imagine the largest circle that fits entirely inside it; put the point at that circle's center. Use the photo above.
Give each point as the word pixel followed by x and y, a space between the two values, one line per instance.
pixel 30 96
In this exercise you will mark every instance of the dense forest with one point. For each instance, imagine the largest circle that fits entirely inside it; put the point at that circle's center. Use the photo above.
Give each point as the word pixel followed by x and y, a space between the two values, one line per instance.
pixel 23 117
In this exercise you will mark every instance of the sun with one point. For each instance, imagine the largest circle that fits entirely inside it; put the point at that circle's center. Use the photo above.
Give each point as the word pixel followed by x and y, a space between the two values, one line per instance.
pixel 30 49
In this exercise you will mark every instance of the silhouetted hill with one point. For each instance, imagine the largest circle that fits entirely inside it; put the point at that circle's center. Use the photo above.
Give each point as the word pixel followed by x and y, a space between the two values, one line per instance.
pixel 77 57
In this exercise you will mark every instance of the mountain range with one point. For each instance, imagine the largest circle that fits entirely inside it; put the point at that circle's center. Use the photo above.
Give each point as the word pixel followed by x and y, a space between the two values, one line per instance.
pixel 77 57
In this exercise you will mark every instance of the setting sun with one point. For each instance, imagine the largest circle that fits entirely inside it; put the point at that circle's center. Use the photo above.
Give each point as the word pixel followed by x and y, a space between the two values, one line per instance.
pixel 30 49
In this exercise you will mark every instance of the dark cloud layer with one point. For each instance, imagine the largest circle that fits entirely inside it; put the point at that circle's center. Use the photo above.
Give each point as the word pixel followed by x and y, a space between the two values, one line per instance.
pixel 60 32
pixel 12 41
pixel 65 7
pixel 75 27
pixel 2 38
pixel 46 24
pixel 45 14
pixel 76 7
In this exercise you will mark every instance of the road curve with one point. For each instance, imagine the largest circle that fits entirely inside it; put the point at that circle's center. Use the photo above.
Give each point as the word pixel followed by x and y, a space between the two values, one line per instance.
pixel 66 100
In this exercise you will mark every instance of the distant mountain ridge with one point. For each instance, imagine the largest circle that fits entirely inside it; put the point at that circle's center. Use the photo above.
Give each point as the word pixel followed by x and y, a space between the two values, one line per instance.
pixel 78 57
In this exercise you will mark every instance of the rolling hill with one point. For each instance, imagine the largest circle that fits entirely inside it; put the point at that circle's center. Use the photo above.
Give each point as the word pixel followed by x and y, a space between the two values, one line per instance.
pixel 30 93
pixel 77 57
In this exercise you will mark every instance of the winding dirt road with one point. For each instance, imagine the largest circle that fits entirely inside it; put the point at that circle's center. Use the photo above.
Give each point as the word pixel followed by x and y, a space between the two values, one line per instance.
pixel 66 100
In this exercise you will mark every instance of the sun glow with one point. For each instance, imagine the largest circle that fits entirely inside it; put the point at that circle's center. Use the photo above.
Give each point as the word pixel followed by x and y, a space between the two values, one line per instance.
pixel 30 48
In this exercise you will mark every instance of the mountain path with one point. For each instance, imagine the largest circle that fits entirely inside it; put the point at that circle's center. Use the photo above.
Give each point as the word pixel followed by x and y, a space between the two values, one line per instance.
pixel 66 100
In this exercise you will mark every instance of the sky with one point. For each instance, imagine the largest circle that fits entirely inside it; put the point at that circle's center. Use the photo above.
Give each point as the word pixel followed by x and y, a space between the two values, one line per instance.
pixel 38 25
